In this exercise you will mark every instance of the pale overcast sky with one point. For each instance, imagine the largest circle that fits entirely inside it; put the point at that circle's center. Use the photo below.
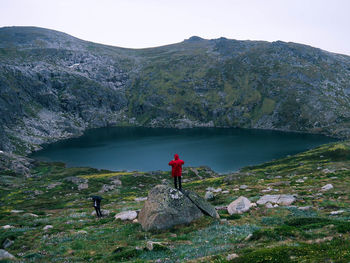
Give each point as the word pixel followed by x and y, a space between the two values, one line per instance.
pixel 148 23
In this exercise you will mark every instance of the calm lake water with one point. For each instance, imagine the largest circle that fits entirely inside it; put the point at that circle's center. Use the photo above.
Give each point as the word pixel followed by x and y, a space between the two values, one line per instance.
pixel 146 149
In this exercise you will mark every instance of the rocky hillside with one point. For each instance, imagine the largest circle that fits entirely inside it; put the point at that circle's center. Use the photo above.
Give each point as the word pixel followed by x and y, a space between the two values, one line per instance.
pixel 54 86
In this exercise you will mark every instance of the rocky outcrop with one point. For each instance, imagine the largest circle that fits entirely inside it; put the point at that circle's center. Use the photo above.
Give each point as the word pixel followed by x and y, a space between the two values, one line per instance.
pixel 166 207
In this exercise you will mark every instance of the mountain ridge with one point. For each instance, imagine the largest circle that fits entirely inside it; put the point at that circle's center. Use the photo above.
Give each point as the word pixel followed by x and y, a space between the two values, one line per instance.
pixel 55 86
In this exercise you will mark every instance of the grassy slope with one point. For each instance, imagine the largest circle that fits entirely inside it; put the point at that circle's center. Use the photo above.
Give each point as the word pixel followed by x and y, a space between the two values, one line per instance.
pixel 282 234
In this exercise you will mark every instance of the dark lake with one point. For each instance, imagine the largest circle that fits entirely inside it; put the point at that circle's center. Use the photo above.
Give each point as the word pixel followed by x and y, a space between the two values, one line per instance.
pixel 146 149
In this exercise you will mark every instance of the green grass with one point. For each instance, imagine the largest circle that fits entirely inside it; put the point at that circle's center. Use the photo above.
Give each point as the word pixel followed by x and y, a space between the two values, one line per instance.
pixel 282 234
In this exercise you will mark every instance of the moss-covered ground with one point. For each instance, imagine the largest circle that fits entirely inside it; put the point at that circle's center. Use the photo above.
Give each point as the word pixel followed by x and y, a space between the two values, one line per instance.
pixel 280 234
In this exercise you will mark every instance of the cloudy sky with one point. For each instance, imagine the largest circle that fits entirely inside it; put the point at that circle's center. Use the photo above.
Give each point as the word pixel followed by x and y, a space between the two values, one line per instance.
pixel 148 23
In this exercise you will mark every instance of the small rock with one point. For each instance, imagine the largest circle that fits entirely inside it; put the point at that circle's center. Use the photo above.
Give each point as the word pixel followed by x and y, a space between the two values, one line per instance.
pixel 239 206
pixel 5 255
pixel 243 186
pixel 268 205
pixel 231 256
pixel 269 189
pixel 53 185
pixel 140 199
pixel 211 189
pixel 83 186
pixel 226 192
pixel 7 227
pixel 30 214
pixel 116 182
pixel 304 208
pixel 17 211
pixel 107 188
pixel 7 243
pixel 337 212
pixel 47 227
pixel 300 181
pixel 83 232
pixel 327 171
pixel 305 178
pixel 327 187
pixel 156 246
pixel 135 220
pixel 248 237
pixel 126 215
pixel 334 177
pixel 38 192
pixel 236 189
pixel 217 190
pixel 209 195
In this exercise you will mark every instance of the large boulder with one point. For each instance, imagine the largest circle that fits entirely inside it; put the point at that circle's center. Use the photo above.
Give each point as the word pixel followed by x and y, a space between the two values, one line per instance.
pixel 277 199
pixel 166 207
pixel 239 206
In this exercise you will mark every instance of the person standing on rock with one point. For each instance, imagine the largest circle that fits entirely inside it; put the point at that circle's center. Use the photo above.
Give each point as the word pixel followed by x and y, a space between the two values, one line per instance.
pixel 176 170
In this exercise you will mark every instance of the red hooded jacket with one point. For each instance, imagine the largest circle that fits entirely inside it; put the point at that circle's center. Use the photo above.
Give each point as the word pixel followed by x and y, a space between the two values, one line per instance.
pixel 176 166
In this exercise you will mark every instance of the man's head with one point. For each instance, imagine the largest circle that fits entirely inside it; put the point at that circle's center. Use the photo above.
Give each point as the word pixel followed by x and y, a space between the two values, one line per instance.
pixel 176 156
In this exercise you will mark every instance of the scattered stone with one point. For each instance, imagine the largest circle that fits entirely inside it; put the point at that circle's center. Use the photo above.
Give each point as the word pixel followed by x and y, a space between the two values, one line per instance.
pixel 282 199
pixel 83 186
pixel 269 189
pixel 239 206
pixel 243 186
pixel 268 205
pixel 185 180
pixel 107 188
pixel 7 243
pixel 327 171
pixel 30 214
pixel 140 199
pixel 305 178
pixel 211 189
pixel 253 205
pixel 337 212
pixel 75 180
pixel 248 237
pixel 236 189
pixel 17 211
pixel 5 255
pixel 156 246
pixel 53 185
pixel 135 220
pixel 327 187
pixel 300 181
pixel 47 227
pixel 104 212
pixel 304 208
pixel 231 256
pixel 217 190
pixel 226 192
pixel 209 195
pixel 82 232
pixel 38 192
pixel 278 177
pixel 116 182
pixel 126 215
pixel 7 227
pixel 334 177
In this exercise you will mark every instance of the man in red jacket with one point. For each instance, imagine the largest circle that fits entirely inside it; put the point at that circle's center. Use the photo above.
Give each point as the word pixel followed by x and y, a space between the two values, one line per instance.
pixel 176 170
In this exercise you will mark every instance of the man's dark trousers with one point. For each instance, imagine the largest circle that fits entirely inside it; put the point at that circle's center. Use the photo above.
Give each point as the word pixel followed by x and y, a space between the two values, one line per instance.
pixel 177 178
